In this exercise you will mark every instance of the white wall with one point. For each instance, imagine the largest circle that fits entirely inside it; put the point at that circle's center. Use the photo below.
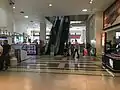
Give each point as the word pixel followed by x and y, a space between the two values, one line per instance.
pixel 6 15
pixel 3 18
pixel 23 25
pixel 20 27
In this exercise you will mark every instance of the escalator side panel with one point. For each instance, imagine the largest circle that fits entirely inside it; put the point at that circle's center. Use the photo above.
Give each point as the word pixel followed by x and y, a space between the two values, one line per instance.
pixel 53 35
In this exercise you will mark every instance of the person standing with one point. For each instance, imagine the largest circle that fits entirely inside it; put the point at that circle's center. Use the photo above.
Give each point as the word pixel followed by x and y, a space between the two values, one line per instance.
pixel 76 49
pixel 69 48
pixel 1 58
pixel 88 47
pixel 6 50
pixel 72 50
pixel 65 49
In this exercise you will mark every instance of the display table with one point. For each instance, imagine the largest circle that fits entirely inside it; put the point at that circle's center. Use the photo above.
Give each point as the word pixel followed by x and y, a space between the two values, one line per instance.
pixel 111 62
pixel 30 48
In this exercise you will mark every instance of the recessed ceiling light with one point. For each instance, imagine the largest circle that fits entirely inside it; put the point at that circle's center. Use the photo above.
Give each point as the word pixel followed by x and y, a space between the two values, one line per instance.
pixel 14 7
pixel 26 16
pixel 84 10
pixel 91 1
pixel 50 5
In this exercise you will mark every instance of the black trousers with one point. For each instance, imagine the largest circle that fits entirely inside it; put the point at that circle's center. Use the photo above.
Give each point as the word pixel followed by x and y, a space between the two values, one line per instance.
pixel 76 51
pixel 6 61
pixel 1 62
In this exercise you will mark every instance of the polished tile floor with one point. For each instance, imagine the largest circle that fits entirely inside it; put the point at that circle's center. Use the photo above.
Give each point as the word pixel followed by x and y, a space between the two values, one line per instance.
pixel 60 65
pixel 46 73
pixel 47 81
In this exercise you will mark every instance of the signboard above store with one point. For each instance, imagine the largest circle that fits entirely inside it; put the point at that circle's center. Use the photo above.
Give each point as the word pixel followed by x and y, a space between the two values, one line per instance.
pixel 111 16
pixel 75 36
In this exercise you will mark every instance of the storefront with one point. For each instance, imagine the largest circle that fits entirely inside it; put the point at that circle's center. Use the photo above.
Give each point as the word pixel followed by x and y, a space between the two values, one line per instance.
pixel 111 38
pixel 18 38
pixel 5 35
pixel 77 31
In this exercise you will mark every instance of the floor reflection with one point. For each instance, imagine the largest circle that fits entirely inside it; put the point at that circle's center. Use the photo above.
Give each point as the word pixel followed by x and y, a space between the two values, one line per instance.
pixel 47 81
pixel 83 65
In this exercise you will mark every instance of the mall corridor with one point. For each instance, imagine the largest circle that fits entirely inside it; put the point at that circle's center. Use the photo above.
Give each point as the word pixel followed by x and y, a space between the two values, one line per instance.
pixel 59 44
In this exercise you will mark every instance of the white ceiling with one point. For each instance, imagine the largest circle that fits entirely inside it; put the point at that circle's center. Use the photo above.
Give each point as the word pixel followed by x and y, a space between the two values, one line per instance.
pixel 36 9
pixel 60 7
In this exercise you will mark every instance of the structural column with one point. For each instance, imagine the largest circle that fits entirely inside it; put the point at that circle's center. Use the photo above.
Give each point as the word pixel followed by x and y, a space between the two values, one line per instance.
pixel 94 26
pixel 98 31
pixel 90 26
pixel 87 32
pixel 43 30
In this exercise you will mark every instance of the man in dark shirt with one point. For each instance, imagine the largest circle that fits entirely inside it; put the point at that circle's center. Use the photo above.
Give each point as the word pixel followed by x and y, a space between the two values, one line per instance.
pixel 6 50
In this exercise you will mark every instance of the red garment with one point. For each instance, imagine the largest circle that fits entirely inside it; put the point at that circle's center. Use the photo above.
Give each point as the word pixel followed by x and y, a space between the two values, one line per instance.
pixel 85 52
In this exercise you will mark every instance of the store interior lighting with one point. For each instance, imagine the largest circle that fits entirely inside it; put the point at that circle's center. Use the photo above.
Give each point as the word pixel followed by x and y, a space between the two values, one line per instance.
pixel 26 16
pixel 75 22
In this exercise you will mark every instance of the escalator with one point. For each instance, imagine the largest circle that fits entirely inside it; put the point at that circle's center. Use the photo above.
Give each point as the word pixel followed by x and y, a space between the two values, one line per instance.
pixel 65 35
pixel 53 34
pixel 58 35
pixel 62 35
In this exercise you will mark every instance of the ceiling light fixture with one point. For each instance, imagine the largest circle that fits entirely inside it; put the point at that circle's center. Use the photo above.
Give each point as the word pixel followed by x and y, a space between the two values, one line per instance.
pixel 91 1
pixel 26 16
pixel 14 7
pixel 50 5
pixel 84 10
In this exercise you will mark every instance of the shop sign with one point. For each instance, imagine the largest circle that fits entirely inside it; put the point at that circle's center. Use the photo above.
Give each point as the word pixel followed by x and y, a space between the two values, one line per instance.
pixel 75 36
